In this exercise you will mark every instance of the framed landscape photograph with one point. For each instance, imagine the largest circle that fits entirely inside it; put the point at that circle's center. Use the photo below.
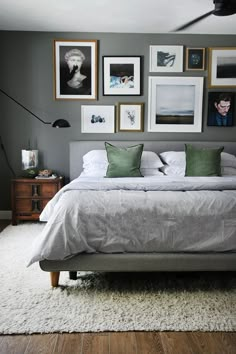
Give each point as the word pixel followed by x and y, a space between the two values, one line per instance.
pixel 75 69
pixel 220 109
pixel 121 75
pixel 175 104
pixel 222 67
pixel 130 117
pixel 166 58
pixel 195 59
pixel 97 119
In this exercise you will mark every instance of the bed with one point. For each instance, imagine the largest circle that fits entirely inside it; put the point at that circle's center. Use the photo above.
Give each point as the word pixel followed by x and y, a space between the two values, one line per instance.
pixel 218 191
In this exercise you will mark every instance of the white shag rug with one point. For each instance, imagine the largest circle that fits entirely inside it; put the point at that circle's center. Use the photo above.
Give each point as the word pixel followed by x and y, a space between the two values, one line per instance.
pixel 109 301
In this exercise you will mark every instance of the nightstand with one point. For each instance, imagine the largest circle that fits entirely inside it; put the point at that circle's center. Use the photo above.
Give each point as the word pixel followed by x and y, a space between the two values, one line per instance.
pixel 29 196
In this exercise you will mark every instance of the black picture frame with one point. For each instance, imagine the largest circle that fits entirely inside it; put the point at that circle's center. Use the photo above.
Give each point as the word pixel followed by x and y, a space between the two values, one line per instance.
pixel 218 103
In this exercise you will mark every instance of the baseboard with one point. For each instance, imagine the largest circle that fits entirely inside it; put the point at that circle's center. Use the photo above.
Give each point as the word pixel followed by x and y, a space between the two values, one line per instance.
pixel 5 214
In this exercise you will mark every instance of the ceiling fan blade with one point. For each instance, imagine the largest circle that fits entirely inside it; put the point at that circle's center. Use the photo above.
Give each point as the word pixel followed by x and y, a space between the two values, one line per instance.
pixel 190 23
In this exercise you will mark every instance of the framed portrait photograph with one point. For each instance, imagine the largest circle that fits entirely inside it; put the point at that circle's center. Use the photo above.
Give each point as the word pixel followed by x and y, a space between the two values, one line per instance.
pixel 166 58
pixel 97 119
pixel 222 67
pixel 220 109
pixel 130 117
pixel 75 69
pixel 195 59
pixel 175 104
pixel 121 75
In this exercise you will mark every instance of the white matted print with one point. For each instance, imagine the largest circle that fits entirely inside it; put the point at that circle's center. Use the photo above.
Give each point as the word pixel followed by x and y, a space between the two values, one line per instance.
pixel 130 117
pixel 222 67
pixel 97 119
pixel 175 104
pixel 166 58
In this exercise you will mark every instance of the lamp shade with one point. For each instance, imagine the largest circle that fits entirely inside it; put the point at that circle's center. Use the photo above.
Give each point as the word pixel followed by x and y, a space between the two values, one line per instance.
pixel 61 123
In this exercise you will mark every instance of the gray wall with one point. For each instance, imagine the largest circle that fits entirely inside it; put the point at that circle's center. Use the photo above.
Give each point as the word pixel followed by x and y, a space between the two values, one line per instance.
pixel 26 73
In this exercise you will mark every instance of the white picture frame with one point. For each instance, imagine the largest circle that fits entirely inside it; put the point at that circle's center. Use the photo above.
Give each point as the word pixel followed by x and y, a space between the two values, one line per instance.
pixel 97 119
pixel 168 58
pixel 175 104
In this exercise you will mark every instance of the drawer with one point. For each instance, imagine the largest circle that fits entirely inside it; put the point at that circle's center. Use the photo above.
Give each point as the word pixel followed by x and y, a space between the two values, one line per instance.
pixel 48 189
pixel 28 205
pixel 23 190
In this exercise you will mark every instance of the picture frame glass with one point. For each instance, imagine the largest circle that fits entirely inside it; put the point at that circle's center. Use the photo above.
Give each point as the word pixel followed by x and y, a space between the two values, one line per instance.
pixel 75 69
pixel 121 75
pixel 195 58
pixel 222 67
pixel 175 104
pixel 165 58
pixel 130 117
pixel 97 119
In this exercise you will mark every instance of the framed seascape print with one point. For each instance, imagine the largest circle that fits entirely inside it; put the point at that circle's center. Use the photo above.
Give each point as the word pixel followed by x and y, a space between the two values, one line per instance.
pixel 121 75
pixel 97 119
pixel 75 69
pixel 195 59
pixel 175 104
pixel 166 58
pixel 130 117
pixel 220 109
pixel 222 67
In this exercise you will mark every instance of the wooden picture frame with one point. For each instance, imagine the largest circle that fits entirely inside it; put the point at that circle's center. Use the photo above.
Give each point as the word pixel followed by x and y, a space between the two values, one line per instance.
pixel 97 119
pixel 195 59
pixel 130 117
pixel 222 67
pixel 165 58
pixel 175 104
pixel 121 75
pixel 75 69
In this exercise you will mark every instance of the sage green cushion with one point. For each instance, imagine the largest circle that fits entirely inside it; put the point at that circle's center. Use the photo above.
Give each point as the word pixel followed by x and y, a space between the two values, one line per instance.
pixel 124 162
pixel 203 161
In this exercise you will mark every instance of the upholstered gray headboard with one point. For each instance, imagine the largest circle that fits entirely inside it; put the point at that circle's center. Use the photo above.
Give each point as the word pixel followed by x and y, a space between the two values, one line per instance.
pixel 79 148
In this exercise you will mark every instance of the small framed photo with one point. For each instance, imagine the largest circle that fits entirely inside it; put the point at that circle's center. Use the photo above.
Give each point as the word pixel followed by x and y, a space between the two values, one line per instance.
pixel 220 109
pixel 222 67
pixel 175 104
pixel 166 58
pixel 121 75
pixel 75 69
pixel 195 59
pixel 130 117
pixel 97 119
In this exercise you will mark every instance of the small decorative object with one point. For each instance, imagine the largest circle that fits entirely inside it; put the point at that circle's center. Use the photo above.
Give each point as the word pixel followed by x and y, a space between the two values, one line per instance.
pixel 30 172
pixel 220 109
pixel 97 119
pixel 166 58
pixel 75 63
pixel 195 59
pixel 130 117
pixel 29 159
pixel 121 75
pixel 222 67
pixel 175 104
pixel 45 173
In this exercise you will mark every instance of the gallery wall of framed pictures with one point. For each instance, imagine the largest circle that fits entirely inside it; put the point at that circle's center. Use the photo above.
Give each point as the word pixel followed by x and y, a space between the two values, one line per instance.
pixel 175 87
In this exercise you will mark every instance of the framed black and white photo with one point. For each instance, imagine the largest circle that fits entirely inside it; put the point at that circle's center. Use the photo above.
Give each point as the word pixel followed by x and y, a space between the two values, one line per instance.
pixel 220 109
pixel 222 67
pixel 130 117
pixel 75 69
pixel 97 119
pixel 166 58
pixel 195 59
pixel 121 75
pixel 175 104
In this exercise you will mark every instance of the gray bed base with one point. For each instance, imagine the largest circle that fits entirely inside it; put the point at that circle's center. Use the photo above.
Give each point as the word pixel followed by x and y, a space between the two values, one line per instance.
pixel 139 262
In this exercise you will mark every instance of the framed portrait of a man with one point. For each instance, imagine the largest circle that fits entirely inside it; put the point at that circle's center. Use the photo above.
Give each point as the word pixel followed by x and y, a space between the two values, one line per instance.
pixel 75 69
pixel 220 109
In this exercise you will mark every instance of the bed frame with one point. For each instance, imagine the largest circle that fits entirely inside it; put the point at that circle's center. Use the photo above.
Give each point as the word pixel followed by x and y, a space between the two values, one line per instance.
pixel 139 262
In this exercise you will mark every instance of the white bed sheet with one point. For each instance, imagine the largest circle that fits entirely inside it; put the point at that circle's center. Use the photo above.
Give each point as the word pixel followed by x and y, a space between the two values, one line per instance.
pixel 157 214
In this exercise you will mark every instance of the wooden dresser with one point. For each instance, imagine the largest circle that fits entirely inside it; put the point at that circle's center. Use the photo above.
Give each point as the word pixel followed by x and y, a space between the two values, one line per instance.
pixel 29 196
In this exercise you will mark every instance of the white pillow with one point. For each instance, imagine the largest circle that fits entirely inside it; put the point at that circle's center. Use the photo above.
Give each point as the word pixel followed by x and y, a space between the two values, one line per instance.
pixel 228 160
pixel 228 171
pixel 173 157
pixel 173 170
pixel 98 159
pixel 101 172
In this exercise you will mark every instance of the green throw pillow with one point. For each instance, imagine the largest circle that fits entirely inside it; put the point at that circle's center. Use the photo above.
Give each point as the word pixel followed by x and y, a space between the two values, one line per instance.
pixel 124 162
pixel 203 161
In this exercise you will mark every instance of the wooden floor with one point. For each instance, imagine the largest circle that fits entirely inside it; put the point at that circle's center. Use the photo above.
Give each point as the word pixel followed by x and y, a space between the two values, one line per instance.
pixel 120 342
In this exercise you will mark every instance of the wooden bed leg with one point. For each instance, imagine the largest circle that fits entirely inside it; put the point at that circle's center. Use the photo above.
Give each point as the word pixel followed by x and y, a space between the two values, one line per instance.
pixel 54 279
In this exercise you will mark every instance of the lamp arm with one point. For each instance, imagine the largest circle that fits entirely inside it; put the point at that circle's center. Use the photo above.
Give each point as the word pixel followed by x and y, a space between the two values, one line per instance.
pixel 24 107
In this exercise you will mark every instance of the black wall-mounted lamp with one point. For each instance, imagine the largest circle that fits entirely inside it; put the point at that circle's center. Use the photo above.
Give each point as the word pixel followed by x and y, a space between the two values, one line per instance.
pixel 59 123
